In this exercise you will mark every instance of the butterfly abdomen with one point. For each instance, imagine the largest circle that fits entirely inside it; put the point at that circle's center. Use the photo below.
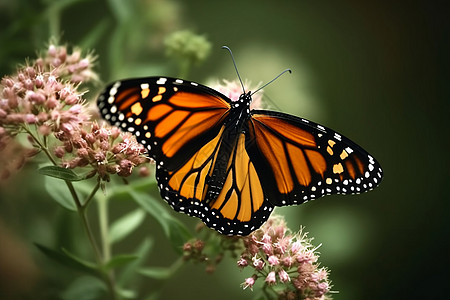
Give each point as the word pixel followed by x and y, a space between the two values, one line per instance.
pixel 233 127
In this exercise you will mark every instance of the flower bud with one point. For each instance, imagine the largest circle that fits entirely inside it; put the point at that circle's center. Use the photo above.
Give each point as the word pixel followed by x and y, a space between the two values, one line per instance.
pixel 51 50
pixel 144 172
pixel 258 263
pixel 273 260
pixel 242 262
pixel 30 119
pixel 284 276
pixel 59 152
pixel 271 279
pixel 249 282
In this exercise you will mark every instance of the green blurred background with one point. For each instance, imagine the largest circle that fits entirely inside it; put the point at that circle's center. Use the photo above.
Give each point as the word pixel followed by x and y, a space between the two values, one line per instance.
pixel 376 72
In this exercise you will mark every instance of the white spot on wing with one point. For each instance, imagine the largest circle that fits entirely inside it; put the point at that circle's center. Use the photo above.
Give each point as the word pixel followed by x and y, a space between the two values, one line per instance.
pixel 162 80
pixel 113 90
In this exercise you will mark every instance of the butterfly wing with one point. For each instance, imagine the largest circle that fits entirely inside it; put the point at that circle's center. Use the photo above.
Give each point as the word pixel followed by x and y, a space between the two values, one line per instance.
pixel 239 208
pixel 171 117
pixel 300 160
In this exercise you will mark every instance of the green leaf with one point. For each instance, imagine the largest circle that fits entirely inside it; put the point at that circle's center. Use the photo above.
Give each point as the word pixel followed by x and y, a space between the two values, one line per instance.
pixel 177 233
pixel 122 10
pixel 79 260
pixel 85 288
pixel 152 206
pixel 156 272
pixel 122 227
pixel 154 295
pixel 123 190
pixel 162 273
pixel 129 273
pixel 60 173
pixel 127 294
pixel 68 260
pixel 59 191
pixel 120 260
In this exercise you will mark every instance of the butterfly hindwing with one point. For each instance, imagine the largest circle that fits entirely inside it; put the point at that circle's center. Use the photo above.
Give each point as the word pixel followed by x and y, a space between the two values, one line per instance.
pixel 306 160
pixel 241 205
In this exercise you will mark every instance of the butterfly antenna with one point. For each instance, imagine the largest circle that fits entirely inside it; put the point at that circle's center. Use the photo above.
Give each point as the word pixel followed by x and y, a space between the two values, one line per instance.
pixel 287 70
pixel 235 67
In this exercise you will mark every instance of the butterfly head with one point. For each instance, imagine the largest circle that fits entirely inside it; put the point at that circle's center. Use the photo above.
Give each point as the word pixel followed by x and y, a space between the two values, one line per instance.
pixel 243 102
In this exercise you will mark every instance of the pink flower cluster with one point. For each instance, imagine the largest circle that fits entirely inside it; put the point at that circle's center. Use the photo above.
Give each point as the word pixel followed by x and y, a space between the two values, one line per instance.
pixel 43 99
pixel 43 95
pixel 72 66
pixel 284 258
pixel 105 149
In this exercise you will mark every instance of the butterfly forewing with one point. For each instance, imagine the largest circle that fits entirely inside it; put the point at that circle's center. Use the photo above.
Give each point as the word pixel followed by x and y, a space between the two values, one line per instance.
pixel 172 118
pixel 306 160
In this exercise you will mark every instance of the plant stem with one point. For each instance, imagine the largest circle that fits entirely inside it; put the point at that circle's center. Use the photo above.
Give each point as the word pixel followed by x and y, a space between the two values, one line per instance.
pixel 82 213
pixel 185 66
pixel 54 14
pixel 88 230
pixel 91 195
pixel 102 202
pixel 76 199
pixel 103 223
pixel 108 276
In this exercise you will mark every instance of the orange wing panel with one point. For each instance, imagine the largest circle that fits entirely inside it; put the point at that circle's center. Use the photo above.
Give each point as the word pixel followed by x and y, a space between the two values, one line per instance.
pixel 187 100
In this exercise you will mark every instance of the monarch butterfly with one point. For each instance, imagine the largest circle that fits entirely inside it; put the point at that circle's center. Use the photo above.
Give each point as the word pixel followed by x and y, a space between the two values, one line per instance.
pixel 220 161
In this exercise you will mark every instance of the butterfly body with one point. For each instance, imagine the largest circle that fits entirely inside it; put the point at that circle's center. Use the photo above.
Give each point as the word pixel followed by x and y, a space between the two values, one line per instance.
pixel 220 161
pixel 234 126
